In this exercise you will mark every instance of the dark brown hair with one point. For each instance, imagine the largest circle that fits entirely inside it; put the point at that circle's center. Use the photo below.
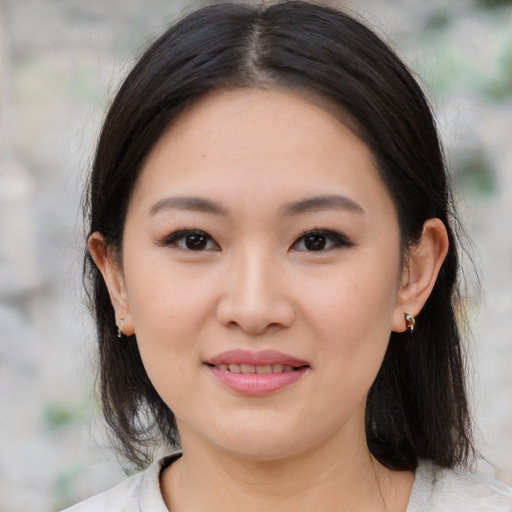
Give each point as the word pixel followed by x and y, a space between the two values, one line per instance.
pixel 417 406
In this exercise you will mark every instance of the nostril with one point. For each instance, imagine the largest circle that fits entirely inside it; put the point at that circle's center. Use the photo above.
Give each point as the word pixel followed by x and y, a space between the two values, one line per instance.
pixel 255 309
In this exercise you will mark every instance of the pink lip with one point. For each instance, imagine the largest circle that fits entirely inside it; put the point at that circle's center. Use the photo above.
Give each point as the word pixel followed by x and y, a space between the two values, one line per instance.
pixel 254 384
pixel 261 358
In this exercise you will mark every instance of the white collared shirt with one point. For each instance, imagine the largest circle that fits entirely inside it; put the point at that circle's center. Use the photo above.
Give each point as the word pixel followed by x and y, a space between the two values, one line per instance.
pixel 434 490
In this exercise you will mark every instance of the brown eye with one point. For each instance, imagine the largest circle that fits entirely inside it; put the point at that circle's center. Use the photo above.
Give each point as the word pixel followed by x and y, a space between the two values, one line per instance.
pixel 321 240
pixel 314 242
pixel 191 240
pixel 196 242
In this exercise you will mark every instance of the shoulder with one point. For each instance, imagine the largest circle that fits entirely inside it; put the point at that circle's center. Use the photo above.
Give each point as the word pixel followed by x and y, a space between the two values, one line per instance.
pixel 121 498
pixel 457 490
pixel 137 493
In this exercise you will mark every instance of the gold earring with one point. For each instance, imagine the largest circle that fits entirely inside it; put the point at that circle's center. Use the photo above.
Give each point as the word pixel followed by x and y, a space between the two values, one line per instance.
pixel 410 321
pixel 119 332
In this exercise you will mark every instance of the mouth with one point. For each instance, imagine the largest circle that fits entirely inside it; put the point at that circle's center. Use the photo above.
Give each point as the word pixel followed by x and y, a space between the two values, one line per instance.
pixel 260 369
pixel 265 361
pixel 256 373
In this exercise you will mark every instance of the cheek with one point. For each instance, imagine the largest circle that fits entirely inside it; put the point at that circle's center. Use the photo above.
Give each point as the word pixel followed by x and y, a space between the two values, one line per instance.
pixel 352 316
pixel 356 301
pixel 169 315
pixel 168 307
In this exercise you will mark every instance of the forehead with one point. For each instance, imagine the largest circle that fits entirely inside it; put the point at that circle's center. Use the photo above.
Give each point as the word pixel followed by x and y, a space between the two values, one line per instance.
pixel 259 145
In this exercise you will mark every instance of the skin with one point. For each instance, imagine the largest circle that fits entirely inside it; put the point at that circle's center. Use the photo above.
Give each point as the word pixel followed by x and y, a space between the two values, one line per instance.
pixel 255 284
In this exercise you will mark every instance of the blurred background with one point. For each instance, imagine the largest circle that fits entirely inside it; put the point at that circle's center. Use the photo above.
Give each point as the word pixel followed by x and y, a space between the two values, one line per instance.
pixel 61 62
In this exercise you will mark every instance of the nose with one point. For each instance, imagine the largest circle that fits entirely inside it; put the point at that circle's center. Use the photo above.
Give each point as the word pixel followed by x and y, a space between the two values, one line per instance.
pixel 254 296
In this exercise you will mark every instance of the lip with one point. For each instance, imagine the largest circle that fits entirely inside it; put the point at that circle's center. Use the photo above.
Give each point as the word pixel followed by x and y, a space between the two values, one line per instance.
pixel 264 357
pixel 256 384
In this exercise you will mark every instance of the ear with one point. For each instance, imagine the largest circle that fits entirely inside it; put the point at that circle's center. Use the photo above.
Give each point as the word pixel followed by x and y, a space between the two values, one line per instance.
pixel 114 279
pixel 420 272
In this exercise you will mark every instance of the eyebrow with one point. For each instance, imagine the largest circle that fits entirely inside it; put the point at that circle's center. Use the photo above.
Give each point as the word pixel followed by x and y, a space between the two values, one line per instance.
pixel 309 204
pixel 195 204
pixel 324 202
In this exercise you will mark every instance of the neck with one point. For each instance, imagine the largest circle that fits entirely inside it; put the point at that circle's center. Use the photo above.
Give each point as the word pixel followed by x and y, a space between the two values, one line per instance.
pixel 326 478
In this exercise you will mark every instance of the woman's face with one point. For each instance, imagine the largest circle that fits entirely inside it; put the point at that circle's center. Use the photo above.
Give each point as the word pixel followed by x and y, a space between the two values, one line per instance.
pixel 261 273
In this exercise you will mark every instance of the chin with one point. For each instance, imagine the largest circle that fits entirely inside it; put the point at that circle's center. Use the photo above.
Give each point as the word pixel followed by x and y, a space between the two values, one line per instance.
pixel 267 442
pixel 264 450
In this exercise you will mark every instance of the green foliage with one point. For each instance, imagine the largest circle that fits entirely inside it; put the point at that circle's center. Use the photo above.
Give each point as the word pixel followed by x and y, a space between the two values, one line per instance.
pixel 438 20
pixel 63 488
pixel 456 66
pixel 492 4
pixel 474 175
pixel 58 415
pixel 500 88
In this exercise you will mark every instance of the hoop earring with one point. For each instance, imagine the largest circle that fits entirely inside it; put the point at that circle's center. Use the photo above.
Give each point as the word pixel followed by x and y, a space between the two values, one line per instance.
pixel 410 322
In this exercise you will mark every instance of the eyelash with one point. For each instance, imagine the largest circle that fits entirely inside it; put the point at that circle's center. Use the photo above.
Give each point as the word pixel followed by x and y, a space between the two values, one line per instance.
pixel 182 234
pixel 336 239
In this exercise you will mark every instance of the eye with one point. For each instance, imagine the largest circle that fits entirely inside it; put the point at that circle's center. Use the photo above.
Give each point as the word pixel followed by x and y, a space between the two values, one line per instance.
pixel 320 240
pixel 191 240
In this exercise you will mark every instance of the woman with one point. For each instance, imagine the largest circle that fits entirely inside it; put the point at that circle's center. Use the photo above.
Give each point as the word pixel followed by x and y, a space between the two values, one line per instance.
pixel 274 275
